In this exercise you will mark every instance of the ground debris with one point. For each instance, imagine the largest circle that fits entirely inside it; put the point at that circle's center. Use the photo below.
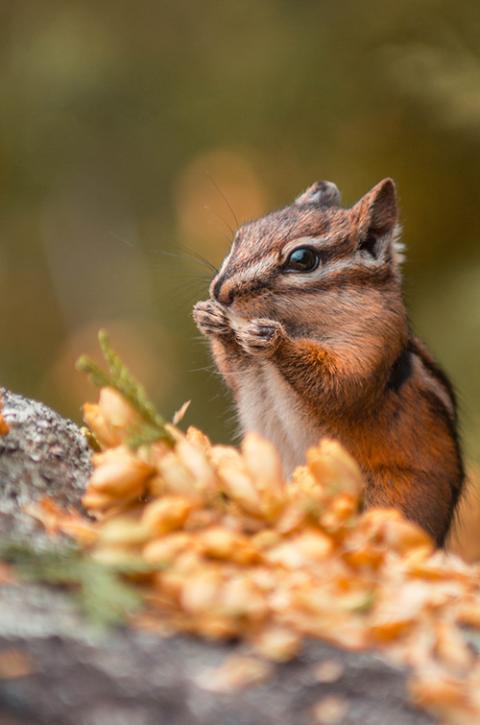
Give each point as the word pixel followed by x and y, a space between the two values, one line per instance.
pixel 234 551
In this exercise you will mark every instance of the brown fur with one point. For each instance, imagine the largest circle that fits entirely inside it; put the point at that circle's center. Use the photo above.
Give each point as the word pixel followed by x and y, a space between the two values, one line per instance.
pixel 330 352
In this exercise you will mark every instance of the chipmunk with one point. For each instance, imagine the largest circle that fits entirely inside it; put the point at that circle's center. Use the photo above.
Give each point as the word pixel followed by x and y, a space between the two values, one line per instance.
pixel 308 326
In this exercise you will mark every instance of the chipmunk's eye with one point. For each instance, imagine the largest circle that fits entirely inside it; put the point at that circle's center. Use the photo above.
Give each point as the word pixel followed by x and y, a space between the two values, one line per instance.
pixel 302 259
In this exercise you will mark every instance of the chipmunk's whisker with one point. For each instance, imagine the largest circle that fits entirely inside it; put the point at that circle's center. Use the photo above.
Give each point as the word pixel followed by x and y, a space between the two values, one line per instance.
pixel 224 197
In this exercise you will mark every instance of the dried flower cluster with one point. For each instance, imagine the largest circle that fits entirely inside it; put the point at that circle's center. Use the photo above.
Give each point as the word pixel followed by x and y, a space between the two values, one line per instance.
pixel 233 550
pixel 4 427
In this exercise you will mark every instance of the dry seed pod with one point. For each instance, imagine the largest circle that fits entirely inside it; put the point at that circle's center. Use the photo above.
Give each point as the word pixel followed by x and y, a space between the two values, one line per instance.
pixel 265 539
pixel 406 603
pixel 331 710
pixel 364 555
pixel 403 536
pixel 314 545
pixel 438 567
pixel 240 487
pixel 105 435
pixel 469 613
pixel 307 501
pixel 447 696
pixel 156 486
pixel 122 531
pixel 263 463
pixel 166 514
pixel 389 527
pixel 198 438
pixel 239 597
pixel 112 418
pixel 222 455
pixel 334 468
pixel 390 625
pixel 303 478
pixel 221 543
pixel 119 473
pixel 176 476
pixel 451 647
pixel 302 550
pixel 328 671
pixel 117 410
pixel 264 578
pixel 199 519
pixel 97 502
pixel 81 531
pixel 201 591
pixel 277 643
pixel 170 585
pixel 56 520
pixel 166 549
pixel 4 427
pixel 285 555
pixel 155 453
pixel 340 511
pixel 214 626
pixel 293 517
pixel 235 673
pixel 235 517
pixel 196 462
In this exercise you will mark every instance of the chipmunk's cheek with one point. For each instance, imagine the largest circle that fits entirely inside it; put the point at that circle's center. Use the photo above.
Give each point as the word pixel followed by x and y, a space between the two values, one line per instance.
pixel 249 306
pixel 286 307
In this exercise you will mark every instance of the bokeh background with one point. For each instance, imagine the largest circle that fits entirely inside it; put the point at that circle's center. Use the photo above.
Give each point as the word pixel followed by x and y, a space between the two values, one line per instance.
pixel 133 135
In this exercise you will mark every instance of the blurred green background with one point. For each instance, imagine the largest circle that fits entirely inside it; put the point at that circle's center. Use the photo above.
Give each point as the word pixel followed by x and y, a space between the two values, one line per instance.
pixel 129 129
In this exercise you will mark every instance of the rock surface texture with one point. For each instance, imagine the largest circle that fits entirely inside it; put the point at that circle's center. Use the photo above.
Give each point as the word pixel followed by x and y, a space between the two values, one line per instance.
pixel 75 676
pixel 43 454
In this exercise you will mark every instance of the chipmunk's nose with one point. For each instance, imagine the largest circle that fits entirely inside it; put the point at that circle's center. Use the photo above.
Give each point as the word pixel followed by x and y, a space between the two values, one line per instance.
pixel 222 290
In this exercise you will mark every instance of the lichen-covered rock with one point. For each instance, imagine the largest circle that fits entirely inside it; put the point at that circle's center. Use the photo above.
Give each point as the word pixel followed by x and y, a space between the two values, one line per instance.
pixel 70 674
pixel 43 454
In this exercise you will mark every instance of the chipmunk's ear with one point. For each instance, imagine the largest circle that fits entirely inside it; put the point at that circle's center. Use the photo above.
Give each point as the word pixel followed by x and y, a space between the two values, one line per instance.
pixel 376 218
pixel 321 193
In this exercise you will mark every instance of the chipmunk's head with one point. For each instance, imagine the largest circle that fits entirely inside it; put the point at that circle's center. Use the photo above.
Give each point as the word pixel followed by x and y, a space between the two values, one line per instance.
pixel 308 258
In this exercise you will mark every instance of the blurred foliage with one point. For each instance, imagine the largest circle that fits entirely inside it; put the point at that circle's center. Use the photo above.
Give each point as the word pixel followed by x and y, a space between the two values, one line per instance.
pixel 129 131
pixel 100 591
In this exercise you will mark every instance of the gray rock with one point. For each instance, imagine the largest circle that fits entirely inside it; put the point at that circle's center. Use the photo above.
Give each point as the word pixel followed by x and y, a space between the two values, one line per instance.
pixel 43 454
pixel 78 676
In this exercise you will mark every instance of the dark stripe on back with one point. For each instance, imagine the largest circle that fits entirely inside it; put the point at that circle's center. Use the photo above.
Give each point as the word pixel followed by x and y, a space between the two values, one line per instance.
pixel 401 370
pixel 440 411
pixel 436 372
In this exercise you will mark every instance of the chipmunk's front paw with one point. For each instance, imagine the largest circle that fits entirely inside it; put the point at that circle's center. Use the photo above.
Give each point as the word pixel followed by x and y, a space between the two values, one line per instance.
pixel 260 337
pixel 211 318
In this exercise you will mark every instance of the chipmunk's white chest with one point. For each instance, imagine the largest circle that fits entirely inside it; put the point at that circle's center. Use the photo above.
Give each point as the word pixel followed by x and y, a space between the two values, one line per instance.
pixel 268 405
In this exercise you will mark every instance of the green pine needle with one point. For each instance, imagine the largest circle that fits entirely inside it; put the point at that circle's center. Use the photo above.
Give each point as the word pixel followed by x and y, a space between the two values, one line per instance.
pixel 143 435
pixel 119 377
pixel 94 371
pixel 100 591
pixel 105 598
pixel 127 384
